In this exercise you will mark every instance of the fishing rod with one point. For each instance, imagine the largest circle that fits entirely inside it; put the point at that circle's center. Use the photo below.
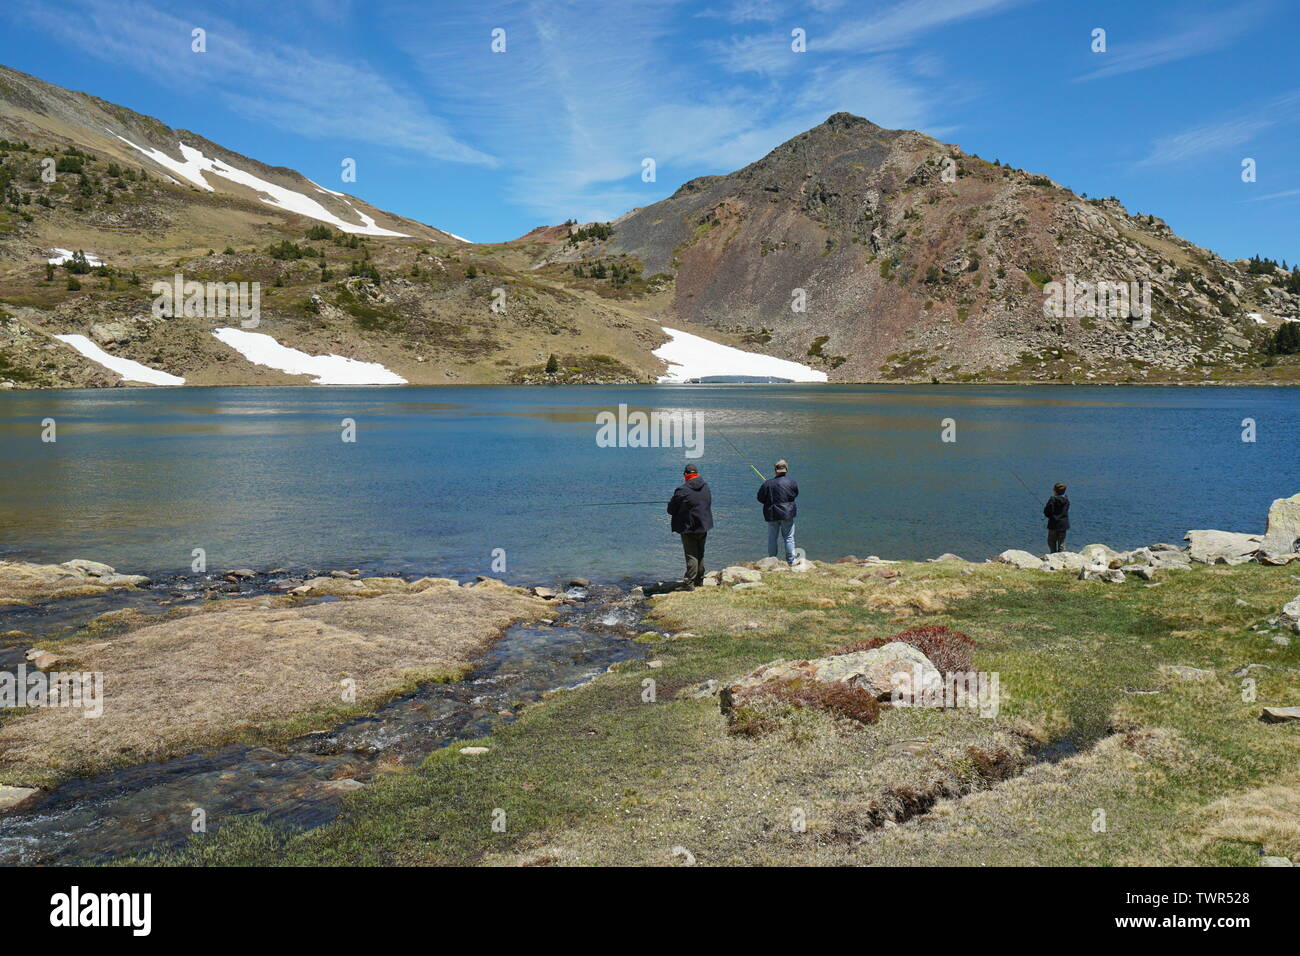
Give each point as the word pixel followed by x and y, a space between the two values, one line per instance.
pixel 610 504
pixel 740 454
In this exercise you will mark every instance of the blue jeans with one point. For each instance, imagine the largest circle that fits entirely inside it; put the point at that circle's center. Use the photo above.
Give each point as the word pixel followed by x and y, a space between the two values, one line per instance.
pixel 785 531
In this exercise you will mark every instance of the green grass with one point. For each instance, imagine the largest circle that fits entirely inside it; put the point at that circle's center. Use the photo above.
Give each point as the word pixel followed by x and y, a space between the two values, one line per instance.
pixel 598 775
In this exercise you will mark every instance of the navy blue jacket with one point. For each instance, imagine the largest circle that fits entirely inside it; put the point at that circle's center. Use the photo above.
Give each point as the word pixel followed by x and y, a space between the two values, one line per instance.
pixel 1057 513
pixel 777 495
pixel 692 507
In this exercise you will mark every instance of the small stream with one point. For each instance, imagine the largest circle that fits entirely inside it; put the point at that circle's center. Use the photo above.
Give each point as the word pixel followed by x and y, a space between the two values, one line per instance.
pixel 150 806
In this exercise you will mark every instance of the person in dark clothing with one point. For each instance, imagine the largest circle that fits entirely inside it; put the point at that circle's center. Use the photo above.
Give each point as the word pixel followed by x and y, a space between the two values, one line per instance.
pixel 692 509
pixel 777 495
pixel 1057 513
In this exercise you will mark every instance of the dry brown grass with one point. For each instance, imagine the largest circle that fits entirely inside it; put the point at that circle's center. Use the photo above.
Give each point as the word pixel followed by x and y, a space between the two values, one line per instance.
pixel 1269 816
pixel 250 669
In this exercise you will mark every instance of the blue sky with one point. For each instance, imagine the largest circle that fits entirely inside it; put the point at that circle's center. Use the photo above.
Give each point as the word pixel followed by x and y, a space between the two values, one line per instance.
pixel 489 145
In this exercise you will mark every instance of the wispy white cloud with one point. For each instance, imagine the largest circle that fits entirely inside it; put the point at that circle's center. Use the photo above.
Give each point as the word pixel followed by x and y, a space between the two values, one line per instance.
pixel 1214 32
pixel 309 93
pixel 580 106
pixel 901 23
pixel 1282 194
pixel 1215 137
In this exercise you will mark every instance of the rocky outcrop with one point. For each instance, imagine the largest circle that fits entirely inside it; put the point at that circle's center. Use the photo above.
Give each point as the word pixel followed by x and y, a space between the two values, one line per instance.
pixel 895 668
pixel 23 583
pixel 1283 532
pixel 1222 547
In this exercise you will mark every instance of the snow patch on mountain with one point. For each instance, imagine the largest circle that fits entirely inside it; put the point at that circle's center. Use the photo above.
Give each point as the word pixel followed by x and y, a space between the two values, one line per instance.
pixel 262 349
pixel 692 356
pixel 64 255
pixel 129 370
pixel 194 164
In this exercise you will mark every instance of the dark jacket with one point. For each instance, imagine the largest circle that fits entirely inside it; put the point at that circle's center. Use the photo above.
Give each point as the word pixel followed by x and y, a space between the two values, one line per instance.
pixel 692 507
pixel 1057 513
pixel 777 495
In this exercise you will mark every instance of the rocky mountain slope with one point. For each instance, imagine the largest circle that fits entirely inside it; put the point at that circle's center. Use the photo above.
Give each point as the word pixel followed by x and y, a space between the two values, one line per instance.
pixel 912 261
pixel 909 273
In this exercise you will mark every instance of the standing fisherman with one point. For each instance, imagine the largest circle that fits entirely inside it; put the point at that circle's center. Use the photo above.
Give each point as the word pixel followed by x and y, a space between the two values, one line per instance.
pixel 777 495
pixel 1057 513
pixel 692 509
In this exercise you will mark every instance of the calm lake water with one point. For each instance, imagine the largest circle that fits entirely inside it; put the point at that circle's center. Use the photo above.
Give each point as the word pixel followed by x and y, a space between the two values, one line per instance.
pixel 438 478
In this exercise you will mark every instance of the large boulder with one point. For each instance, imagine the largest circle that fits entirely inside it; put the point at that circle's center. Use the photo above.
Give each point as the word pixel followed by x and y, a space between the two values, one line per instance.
pixel 881 671
pixel 1283 526
pixel 1020 559
pixel 1222 547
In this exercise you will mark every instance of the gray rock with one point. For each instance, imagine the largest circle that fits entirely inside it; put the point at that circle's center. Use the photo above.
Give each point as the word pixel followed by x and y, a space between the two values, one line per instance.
pixel 1020 559
pixel 1187 672
pixel 1063 561
pixel 748 585
pixel 111 333
pixel 1101 554
pixel 1278 715
pixel 1222 547
pixel 93 568
pixel 710 688
pixel 1283 525
pixel 1275 861
pixel 772 564
pixel 735 574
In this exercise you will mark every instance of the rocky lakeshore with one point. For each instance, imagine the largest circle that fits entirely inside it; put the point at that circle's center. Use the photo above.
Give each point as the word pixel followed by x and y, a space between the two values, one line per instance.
pixel 1106 666
pixel 796 715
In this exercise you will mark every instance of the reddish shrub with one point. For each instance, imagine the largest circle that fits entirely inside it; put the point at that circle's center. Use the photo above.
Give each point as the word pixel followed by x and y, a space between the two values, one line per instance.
pixel 756 714
pixel 948 650
pixel 842 700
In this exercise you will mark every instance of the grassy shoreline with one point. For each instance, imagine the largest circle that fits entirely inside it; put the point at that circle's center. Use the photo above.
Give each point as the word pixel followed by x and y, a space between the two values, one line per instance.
pixel 1180 768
